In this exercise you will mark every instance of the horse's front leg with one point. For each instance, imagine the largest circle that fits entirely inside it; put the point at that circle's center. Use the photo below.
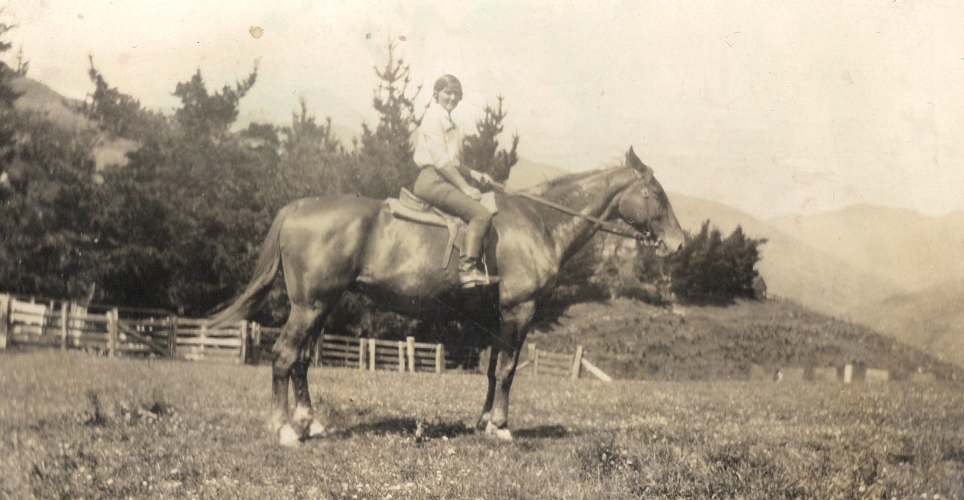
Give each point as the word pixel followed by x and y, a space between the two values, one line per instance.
pixel 490 393
pixel 515 325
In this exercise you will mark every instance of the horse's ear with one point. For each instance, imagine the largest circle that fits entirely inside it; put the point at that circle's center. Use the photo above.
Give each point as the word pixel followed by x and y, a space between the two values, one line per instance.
pixel 633 161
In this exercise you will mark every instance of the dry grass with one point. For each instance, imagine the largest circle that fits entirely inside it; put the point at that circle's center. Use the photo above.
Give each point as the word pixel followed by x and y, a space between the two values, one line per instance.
pixel 72 426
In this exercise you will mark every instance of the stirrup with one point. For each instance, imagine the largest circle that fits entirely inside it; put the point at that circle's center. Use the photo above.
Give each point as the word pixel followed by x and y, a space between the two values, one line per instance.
pixel 475 277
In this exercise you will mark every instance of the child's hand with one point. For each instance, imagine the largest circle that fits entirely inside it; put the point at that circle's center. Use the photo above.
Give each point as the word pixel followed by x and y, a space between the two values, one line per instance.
pixel 482 178
pixel 473 193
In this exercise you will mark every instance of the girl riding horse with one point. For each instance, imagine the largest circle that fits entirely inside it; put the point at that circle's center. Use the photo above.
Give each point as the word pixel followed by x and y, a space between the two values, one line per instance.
pixel 441 183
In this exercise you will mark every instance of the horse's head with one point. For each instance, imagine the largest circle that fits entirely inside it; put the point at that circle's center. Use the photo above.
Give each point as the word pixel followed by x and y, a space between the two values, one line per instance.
pixel 645 206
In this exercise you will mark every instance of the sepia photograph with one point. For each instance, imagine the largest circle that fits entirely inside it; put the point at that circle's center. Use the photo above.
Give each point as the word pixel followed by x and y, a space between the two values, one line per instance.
pixel 430 249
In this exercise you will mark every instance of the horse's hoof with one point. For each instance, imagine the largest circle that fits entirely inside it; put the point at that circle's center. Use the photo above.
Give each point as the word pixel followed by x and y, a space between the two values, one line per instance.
pixel 483 421
pixel 316 429
pixel 288 437
pixel 501 434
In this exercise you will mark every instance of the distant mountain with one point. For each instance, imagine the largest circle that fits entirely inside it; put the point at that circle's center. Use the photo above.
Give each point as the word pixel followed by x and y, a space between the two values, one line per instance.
pixel 790 266
pixel 41 98
pixel 931 319
pixel 527 173
pixel 913 250
pixel 61 110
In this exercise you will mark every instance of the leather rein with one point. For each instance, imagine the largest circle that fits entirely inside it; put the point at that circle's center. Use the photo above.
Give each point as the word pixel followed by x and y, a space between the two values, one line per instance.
pixel 604 226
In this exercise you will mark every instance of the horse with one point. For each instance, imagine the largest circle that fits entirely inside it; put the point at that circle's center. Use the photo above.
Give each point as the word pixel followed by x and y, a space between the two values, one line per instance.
pixel 330 245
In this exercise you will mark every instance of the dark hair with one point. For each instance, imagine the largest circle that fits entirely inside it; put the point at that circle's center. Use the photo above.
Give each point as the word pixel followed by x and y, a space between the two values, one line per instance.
pixel 444 81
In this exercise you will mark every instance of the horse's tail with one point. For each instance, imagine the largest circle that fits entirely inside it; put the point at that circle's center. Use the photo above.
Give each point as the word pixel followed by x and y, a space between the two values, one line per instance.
pixel 258 288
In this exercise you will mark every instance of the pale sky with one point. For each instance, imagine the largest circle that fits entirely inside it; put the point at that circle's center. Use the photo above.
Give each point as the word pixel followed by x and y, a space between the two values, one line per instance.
pixel 772 107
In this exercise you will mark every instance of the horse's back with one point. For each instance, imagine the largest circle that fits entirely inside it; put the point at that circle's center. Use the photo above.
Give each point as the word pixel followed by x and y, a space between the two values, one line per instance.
pixel 321 241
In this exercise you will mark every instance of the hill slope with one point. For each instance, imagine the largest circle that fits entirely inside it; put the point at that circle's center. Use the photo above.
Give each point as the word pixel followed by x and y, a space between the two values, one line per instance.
pixel 791 268
pixel 931 319
pixel 60 110
pixel 41 98
pixel 527 173
pixel 902 246
pixel 630 339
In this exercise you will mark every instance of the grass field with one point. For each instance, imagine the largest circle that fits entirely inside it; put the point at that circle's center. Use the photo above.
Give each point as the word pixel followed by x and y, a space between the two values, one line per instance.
pixel 73 426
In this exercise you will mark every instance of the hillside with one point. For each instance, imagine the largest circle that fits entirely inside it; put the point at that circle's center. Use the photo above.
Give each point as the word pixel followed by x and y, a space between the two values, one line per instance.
pixel 60 110
pixel 630 339
pixel 527 173
pixel 41 98
pixel 791 268
pixel 931 319
pixel 913 250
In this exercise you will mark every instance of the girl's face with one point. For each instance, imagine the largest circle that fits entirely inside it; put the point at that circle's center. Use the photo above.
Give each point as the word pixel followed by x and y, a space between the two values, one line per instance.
pixel 449 97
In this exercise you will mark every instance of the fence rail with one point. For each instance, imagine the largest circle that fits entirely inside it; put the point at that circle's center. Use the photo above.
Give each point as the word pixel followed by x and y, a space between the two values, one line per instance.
pixel 70 326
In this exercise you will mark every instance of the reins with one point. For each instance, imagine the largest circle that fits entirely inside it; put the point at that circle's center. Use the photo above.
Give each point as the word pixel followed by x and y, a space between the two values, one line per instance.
pixel 604 226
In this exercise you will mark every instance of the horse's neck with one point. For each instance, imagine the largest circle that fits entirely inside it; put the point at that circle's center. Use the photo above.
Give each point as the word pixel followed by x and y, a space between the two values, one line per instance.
pixel 593 194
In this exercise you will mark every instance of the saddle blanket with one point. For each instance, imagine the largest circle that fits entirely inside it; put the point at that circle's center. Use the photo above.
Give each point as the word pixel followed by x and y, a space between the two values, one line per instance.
pixel 413 209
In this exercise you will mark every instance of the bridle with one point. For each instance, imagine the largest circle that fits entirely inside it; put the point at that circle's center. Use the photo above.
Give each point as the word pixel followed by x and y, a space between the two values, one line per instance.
pixel 644 237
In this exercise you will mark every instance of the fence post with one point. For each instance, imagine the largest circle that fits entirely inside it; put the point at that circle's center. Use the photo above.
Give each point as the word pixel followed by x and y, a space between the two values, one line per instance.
pixel 371 354
pixel 4 319
pixel 256 344
pixel 532 353
pixel 48 320
pixel 848 373
pixel 410 348
pixel 361 354
pixel 439 358
pixel 576 363
pixel 172 336
pixel 401 357
pixel 243 334
pixel 63 326
pixel 319 348
pixel 534 358
pixel 112 341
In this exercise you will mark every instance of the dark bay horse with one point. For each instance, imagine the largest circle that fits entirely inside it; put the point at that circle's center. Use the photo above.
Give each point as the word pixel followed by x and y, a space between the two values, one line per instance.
pixel 330 245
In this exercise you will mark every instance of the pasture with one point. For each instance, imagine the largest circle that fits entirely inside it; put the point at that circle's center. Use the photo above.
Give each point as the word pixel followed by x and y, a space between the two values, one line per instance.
pixel 75 426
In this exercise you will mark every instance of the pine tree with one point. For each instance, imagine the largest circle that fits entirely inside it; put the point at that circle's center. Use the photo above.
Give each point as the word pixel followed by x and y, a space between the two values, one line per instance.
pixel 8 95
pixel 384 163
pixel 313 161
pixel 480 151
pixel 116 113
pixel 209 116
pixel 710 268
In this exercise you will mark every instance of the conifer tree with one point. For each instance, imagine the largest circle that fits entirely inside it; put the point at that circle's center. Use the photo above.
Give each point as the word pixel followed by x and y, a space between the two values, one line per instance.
pixel 710 268
pixel 7 73
pixel 480 151
pixel 209 116
pixel 384 163
pixel 116 113
pixel 312 159
pixel 8 95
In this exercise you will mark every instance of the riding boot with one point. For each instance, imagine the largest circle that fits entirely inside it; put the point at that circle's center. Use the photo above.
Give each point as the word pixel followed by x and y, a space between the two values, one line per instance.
pixel 469 273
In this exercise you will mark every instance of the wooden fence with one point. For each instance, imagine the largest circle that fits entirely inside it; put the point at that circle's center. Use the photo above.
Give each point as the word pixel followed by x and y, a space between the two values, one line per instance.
pixel 69 326
pixel 560 365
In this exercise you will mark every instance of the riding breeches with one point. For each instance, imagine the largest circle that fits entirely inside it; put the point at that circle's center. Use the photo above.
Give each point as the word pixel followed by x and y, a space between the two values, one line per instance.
pixel 438 192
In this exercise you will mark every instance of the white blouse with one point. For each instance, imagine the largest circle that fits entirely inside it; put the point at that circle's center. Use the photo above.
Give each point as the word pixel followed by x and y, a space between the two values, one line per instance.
pixel 439 139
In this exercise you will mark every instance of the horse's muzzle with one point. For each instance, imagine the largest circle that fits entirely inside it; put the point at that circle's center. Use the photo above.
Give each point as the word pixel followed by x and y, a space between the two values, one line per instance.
pixel 663 250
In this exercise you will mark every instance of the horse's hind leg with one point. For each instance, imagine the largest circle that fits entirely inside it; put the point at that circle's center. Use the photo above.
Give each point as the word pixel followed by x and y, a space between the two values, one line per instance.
pixel 304 419
pixel 292 356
